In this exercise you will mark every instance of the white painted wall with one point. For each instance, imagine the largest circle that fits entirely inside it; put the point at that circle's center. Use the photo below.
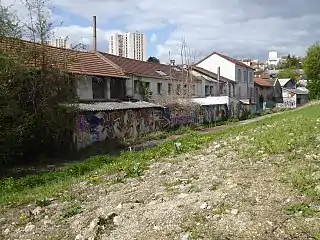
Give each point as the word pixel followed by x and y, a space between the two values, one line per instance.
pixel 227 69
pixel 245 80
pixel 245 84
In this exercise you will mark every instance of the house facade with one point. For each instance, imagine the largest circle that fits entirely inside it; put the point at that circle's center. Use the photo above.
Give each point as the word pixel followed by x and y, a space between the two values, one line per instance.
pixel 264 93
pixel 241 75
pixel 155 82
pixel 211 84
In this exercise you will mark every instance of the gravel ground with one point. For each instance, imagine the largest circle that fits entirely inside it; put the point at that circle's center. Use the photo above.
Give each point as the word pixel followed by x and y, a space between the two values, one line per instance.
pixel 209 194
pixel 214 193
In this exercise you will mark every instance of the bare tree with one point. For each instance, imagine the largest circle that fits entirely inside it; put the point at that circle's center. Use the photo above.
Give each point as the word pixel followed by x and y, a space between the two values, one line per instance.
pixel 9 23
pixel 181 80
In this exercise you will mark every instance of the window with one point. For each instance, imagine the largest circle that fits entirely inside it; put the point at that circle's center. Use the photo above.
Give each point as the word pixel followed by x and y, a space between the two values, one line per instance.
pixel 211 91
pixel 98 88
pixel 239 75
pixel 159 88
pixel 206 90
pixel 147 85
pixel 233 90
pixel 229 89
pixel 178 89
pixel 136 86
pixel 245 76
pixel 193 90
pixel 169 88
pixel 250 77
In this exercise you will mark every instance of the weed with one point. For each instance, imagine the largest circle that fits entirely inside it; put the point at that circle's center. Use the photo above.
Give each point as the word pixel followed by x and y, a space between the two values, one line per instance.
pixel 214 186
pixel 303 181
pixel 134 169
pixel 194 188
pixel 43 202
pixel 222 209
pixel 72 210
pixel 300 208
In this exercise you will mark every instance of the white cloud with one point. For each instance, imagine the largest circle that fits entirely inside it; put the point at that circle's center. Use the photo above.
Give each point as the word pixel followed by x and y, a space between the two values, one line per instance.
pixel 247 28
pixel 153 38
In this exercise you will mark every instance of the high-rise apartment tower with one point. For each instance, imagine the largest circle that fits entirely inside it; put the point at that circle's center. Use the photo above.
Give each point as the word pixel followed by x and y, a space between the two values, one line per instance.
pixel 130 45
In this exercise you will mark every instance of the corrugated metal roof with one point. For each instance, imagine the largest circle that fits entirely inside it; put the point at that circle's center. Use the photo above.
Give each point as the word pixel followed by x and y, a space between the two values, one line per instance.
pixel 216 100
pixel 104 106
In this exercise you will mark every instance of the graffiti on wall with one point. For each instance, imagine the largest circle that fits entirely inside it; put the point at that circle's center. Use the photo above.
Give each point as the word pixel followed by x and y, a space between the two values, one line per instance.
pixel 173 118
pixel 288 102
pixel 94 127
pixel 236 109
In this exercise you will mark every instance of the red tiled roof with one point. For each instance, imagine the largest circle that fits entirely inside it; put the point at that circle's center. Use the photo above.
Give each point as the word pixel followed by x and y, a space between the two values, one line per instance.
pixel 236 62
pixel 142 68
pixel 86 63
pixel 261 82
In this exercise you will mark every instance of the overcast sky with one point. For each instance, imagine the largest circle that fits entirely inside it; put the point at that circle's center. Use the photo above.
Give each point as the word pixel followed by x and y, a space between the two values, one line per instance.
pixel 238 28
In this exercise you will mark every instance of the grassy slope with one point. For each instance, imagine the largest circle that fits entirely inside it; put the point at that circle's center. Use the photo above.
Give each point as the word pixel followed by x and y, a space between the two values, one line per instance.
pixel 293 134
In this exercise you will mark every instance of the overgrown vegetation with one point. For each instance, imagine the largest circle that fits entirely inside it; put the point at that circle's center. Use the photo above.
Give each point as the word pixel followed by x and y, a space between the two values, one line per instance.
pixel 31 88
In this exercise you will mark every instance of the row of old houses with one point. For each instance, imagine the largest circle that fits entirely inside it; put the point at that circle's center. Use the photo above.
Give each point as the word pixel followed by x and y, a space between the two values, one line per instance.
pixel 275 92
pixel 121 97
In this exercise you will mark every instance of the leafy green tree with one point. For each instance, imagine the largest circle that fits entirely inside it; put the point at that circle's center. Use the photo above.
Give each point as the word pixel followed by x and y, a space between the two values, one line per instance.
pixel 311 68
pixel 291 62
pixel 287 73
pixel 153 59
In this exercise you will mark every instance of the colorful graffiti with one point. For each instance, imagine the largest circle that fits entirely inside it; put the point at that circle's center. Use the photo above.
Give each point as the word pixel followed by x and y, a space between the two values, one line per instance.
pixel 288 102
pixel 174 118
pixel 94 127
pixel 236 109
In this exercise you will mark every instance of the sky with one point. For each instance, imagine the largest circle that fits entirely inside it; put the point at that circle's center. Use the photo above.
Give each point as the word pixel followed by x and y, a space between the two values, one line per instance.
pixel 237 28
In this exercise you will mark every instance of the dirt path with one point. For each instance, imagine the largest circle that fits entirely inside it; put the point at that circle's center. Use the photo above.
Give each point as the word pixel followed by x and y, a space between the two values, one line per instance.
pixel 208 194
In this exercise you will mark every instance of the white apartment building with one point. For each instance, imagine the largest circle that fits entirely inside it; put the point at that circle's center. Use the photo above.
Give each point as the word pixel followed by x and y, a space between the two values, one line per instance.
pixel 58 42
pixel 129 45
